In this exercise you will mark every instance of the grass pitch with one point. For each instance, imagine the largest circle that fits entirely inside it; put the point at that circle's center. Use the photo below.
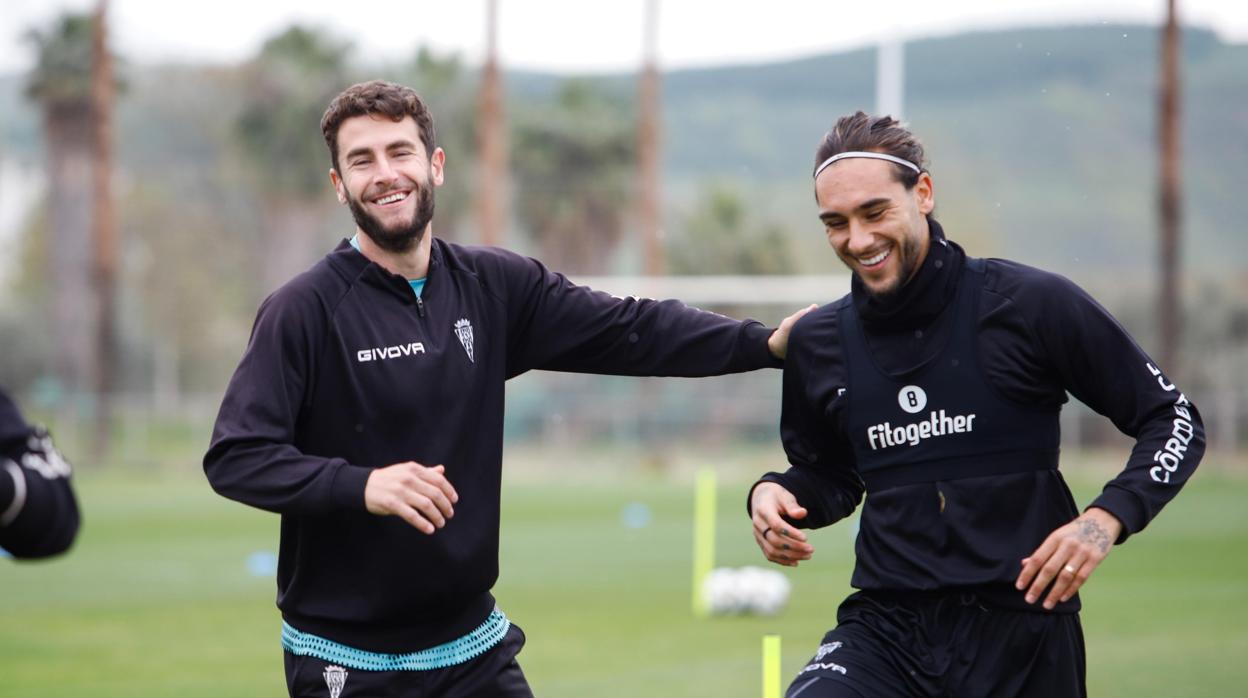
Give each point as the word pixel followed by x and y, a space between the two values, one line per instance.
pixel 156 599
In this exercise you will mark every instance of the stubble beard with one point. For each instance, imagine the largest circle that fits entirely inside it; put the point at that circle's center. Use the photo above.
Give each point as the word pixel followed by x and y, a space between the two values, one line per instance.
pixel 398 240
pixel 908 264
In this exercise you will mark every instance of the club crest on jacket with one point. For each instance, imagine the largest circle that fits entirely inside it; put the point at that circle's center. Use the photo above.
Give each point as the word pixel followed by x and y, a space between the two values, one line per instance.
pixel 463 330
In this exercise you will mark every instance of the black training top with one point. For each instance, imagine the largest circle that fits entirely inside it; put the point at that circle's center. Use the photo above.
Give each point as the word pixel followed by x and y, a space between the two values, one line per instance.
pixel 38 511
pixel 347 371
pixel 965 513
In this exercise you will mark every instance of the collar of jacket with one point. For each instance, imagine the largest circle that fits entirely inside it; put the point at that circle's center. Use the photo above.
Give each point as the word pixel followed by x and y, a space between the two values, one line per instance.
pixel 354 265
pixel 924 297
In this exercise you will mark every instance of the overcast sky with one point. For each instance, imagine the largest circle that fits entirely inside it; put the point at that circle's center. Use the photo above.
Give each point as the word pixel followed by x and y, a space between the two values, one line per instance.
pixel 577 35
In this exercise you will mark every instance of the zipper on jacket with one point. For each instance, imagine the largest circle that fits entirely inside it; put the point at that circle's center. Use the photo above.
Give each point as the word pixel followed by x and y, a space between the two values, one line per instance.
pixel 420 306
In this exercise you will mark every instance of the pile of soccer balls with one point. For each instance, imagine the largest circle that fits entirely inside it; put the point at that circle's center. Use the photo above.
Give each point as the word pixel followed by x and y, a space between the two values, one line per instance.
pixel 748 590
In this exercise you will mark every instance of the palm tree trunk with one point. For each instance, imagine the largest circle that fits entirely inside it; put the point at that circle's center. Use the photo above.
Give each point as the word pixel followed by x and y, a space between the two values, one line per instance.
pixel 492 141
pixel 68 248
pixel 291 241
pixel 1169 199
pixel 104 231
pixel 649 205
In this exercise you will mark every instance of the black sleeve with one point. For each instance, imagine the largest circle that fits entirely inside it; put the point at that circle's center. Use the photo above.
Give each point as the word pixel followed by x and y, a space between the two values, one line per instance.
pixel 823 476
pixel 557 325
pixel 1094 358
pixel 253 458
pixel 38 511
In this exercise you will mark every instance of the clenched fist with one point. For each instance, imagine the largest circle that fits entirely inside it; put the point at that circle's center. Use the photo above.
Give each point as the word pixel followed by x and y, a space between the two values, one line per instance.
pixel 420 495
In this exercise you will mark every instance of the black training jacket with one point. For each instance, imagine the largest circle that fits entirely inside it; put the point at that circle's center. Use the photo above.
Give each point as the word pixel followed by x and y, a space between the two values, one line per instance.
pixel 38 511
pixel 1038 337
pixel 347 371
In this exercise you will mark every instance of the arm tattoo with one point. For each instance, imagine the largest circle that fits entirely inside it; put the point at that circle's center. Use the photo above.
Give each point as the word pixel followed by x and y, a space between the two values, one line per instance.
pixel 1091 532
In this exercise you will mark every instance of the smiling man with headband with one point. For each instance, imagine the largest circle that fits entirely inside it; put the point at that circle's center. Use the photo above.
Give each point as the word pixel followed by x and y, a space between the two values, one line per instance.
pixel 934 388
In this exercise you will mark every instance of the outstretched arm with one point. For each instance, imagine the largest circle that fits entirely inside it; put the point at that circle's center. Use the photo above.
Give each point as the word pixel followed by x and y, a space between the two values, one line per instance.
pixel 556 325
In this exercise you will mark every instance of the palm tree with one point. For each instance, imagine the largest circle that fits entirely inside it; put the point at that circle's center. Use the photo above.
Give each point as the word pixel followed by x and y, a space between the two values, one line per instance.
pixel 288 85
pixel 1170 198
pixel 649 147
pixel 448 90
pixel 574 165
pixel 492 140
pixel 61 83
pixel 103 230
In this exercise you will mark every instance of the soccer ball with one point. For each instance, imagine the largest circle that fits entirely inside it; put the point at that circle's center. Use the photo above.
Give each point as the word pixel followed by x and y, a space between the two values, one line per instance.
pixel 748 590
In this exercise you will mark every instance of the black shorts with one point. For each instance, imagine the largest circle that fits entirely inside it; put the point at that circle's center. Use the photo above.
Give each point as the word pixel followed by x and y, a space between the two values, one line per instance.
pixel 496 673
pixel 950 645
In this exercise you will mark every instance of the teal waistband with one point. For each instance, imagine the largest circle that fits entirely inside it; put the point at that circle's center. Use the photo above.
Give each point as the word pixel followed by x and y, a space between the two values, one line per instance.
pixel 446 654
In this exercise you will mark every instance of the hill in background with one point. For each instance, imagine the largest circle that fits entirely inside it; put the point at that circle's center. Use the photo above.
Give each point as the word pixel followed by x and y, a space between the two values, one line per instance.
pixel 1041 141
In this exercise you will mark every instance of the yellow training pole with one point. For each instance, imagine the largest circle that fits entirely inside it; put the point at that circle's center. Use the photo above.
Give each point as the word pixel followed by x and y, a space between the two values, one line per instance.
pixel 703 538
pixel 771 666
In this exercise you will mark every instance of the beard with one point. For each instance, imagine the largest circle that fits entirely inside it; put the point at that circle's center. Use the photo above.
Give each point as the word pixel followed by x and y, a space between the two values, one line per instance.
pixel 401 239
pixel 908 263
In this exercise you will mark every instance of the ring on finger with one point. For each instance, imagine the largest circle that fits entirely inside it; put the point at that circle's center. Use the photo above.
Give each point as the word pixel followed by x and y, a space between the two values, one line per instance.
pixel 765 530
pixel 1070 568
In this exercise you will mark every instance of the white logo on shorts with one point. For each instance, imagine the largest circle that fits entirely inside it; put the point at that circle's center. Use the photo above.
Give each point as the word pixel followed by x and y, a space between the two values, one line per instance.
pixel 335 678
pixel 825 650
pixel 912 399
pixel 817 664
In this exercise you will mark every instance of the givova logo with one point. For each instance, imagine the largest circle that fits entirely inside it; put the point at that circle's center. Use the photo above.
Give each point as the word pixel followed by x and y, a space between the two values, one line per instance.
pixel 817 664
pixel 394 352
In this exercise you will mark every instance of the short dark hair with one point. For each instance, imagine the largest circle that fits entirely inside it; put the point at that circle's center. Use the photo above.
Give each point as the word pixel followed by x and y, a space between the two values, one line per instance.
pixel 376 97
pixel 884 134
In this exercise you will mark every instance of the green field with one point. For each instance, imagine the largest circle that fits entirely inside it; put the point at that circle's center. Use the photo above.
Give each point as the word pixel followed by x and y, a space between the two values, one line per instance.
pixel 156 598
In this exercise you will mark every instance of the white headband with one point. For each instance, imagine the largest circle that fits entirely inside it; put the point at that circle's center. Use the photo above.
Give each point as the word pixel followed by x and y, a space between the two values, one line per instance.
pixel 864 154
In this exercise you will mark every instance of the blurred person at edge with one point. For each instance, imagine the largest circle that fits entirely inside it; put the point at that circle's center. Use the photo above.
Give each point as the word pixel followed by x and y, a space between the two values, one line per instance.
pixel 38 511
pixel 367 410
pixel 934 387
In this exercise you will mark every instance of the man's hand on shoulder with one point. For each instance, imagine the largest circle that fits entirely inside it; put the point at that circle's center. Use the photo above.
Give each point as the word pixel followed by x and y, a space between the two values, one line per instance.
pixel 778 342
pixel 1068 557
pixel 420 495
